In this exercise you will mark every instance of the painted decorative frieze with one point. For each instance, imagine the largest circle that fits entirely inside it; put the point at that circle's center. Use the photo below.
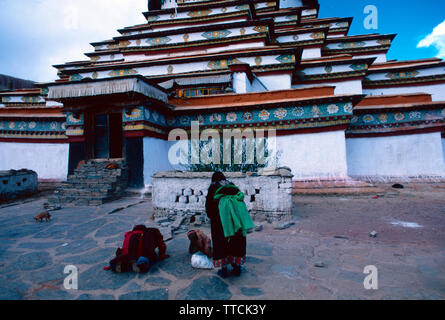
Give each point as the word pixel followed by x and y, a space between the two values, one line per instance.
pixel 216 34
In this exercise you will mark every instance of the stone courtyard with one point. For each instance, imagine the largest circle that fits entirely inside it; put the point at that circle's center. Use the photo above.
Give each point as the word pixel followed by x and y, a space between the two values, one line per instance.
pixel 322 256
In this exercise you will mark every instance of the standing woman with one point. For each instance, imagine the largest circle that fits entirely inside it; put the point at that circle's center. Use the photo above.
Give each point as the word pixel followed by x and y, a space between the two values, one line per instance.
pixel 230 221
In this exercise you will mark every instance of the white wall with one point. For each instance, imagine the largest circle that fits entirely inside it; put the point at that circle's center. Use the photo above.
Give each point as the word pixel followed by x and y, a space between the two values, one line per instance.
pixel 310 53
pixel 437 91
pixel 155 157
pixel 290 3
pixel 443 149
pixel 314 155
pixel 49 160
pixel 277 82
pixel 343 87
pixel 409 155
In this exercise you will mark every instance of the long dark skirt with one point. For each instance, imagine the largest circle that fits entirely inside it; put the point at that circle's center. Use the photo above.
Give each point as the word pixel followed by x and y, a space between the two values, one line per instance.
pixel 227 250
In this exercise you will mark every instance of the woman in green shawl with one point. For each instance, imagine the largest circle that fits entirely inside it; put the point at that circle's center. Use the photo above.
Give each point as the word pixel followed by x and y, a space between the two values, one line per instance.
pixel 230 221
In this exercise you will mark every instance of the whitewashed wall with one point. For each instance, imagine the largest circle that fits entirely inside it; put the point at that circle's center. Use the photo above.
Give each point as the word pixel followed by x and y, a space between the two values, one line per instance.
pixel 409 155
pixel 277 82
pixel 290 3
pixel 314 155
pixel 443 150
pixel 437 91
pixel 49 160
pixel 311 53
pixel 342 87
pixel 155 157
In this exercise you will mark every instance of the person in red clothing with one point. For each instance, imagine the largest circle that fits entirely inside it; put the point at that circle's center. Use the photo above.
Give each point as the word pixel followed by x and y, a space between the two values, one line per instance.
pixel 199 241
pixel 139 250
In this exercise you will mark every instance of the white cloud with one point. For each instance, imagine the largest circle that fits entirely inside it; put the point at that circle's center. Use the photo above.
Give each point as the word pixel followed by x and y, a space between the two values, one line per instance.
pixel 436 39
pixel 40 33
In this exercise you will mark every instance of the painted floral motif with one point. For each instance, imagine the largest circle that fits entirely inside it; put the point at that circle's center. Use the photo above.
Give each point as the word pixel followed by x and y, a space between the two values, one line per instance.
pixel 242 31
pixel 158 41
pixel 113 46
pixel 122 73
pixel 362 66
pixel 186 37
pixel 317 35
pixel 280 113
pixel 354 119
pixel 271 4
pixel 11 125
pixel 260 29
pixel 30 99
pixel 76 77
pixel 224 10
pixel 231 117
pixel 171 121
pixel 155 116
pixel 201 13
pixel 222 64
pixel 170 69
pixel 415 115
pixel 383 118
pixel 22 125
pixel 185 120
pixel 32 125
pixel 342 24
pixel 368 118
pixel 216 117
pixel 247 116
pixel 2 125
pixel 124 44
pixel 402 75
pixel 200 119
pixel 264 115
pixel 399 116
pixel 95 75
pixel 286 58
pixel 295 37
pixel 316 111
pixel 72 119
pixel 152 18
pixel 216 34
pixel 54 126
pixel 242 7
pixel 258 61
pixel 135 113
pixel 332 109
pixel 162 119
pixel 298 111
pixel 328 69
pixel 64 126
pixel 95 59
pixel 292 18
pixel 138 42
pixel 384 42
pixel 348 108
pixel 351 45
pixel 6 99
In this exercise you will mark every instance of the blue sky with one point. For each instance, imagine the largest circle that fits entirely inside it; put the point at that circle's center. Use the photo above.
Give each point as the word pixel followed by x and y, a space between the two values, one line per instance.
pixel 35 34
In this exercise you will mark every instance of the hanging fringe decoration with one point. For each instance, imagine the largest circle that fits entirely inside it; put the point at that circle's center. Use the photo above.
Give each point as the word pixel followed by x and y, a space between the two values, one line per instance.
pixel 106 87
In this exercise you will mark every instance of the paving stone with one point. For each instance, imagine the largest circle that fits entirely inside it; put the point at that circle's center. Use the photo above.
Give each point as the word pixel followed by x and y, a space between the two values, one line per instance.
pixel 99 297
pixel 287 271
pixel 32 261
pixel 51 294
pixel 23 231
pixel 96 278
pixel 254 260
pixel 52 273
pixel 12 290
pixel 111 229
pixel 40 245
pixel 57 231
pixel 101 255
pixel 157 294
pixel 179 265
pixel 257 248
pixel 158 282
pixel 133 287
pixel 251 292
pixel 205 288
pixel 76 246
pixel 82 230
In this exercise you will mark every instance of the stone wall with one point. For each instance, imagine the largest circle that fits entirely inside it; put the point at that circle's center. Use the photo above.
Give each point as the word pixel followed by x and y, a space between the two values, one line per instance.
pixel 267 195
pixel 14 184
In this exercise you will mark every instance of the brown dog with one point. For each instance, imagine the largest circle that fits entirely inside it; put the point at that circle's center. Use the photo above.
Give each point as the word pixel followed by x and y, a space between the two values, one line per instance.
pixel 112 166
pixel 44 215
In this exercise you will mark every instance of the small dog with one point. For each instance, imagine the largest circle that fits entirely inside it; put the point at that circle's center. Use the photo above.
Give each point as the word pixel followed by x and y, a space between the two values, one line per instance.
pixel 112 166
pixel 44 215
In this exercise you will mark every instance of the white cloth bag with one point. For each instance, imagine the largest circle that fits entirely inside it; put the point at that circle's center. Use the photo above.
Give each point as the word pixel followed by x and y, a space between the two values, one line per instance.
pixel 201 261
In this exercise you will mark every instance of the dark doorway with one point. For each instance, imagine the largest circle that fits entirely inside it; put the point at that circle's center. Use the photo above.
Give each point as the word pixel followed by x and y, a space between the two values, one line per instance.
pixel 108 136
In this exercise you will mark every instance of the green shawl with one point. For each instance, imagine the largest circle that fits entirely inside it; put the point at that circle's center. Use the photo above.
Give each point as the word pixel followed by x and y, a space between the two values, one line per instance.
pixel 233 212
